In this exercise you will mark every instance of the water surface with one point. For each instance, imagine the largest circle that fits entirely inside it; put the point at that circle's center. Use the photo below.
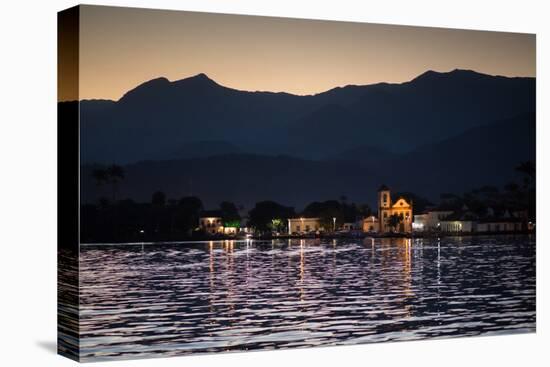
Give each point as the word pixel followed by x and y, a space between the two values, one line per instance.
pixel 159 300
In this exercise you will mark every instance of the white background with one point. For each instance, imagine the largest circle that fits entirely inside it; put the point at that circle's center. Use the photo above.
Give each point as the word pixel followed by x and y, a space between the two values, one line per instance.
pixel 28 181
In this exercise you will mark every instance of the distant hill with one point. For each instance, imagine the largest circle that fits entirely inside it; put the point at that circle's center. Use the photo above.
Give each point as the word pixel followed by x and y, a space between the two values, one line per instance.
pixel 202 149
pixel 402 117
pixel 483 155
pixel 364 155
pixel 486 154
pixel 160 117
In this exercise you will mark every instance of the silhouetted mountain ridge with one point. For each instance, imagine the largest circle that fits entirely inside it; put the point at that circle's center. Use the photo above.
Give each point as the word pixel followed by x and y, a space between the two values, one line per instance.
pixel 157 117
pixel 484 155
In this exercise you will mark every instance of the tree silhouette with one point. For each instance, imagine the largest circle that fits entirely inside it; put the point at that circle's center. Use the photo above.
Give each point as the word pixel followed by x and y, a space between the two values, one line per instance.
pixel 158 199
pixel 364 210
pixel 112 175
pixel 277 224
pixel 394 220
pixel 115 174
pixel 264 212
pixel 528 169
pixel 229 210
pixel 100 176
pixel 187 213
pixel 326 211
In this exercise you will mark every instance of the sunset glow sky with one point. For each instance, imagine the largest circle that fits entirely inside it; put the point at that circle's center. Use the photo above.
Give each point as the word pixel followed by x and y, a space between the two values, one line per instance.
pixel 122 47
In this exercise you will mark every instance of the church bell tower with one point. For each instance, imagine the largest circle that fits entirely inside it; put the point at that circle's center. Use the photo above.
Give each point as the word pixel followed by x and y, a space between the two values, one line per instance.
pixel 384 199
pixel 384 206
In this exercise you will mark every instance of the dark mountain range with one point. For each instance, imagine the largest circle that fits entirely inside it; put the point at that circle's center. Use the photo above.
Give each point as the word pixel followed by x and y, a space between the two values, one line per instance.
pixel 485 155
pixel 155 120
pixel 207 148
pixel 364 155
pixel 401 117
pixel 482 155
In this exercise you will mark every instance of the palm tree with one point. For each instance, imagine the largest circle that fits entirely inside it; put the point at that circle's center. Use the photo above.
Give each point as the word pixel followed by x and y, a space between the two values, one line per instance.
pixel 100 176
pixel 394 220
pixel 528 169
pixel 115 173
pixel 158 199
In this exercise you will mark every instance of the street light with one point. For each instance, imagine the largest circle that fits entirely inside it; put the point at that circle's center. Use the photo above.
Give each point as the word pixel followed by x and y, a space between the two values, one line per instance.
pixel 333 224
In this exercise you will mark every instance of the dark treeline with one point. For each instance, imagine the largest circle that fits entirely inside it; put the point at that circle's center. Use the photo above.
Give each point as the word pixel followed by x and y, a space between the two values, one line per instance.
pixel 340 210
pixel 513 196
pixel 162 219
pixel 267 216
pixel 128 221
pixel 173 220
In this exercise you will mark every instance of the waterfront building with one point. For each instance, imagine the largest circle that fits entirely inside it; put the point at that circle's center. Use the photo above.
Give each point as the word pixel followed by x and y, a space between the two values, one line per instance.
pixel 211 222
pixel 458 222
pixel 464 220
pixel 353 226
pixel 492 225
pixel 420 222
pixel 371 224
pixel 304 225
pixel 430 220
pixel 387 208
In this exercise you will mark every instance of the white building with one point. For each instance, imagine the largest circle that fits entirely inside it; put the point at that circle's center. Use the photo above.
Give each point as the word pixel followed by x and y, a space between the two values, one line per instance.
pixel 500 225
pixel 420 222
pixel 304 225
pixel 458 226
pixel 430 220
pixel 211 222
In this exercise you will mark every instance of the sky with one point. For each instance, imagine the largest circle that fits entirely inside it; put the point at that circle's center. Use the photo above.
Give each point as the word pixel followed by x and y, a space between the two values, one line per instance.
pixel 121 48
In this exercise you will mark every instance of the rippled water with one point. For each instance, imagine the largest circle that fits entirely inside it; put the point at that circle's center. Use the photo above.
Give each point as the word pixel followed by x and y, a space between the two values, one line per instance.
pixel 144 301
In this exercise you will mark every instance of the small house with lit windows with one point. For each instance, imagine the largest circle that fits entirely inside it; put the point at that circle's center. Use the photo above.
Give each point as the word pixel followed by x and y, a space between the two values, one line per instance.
pixel 371 224
pixel 211 222
pixel 304 225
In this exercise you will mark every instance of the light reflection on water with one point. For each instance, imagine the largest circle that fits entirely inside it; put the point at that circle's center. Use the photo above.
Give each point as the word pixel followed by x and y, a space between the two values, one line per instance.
pixel 143 301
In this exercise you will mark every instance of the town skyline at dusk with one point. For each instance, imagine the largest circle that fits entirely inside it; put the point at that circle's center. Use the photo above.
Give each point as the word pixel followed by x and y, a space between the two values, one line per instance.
pixel 252 183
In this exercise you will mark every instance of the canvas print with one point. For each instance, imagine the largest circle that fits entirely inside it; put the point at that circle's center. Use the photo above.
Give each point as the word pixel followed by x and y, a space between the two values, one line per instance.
pixel 230 183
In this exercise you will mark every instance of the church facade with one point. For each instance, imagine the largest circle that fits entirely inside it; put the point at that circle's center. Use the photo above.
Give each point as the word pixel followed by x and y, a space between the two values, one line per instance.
pixel 401 207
